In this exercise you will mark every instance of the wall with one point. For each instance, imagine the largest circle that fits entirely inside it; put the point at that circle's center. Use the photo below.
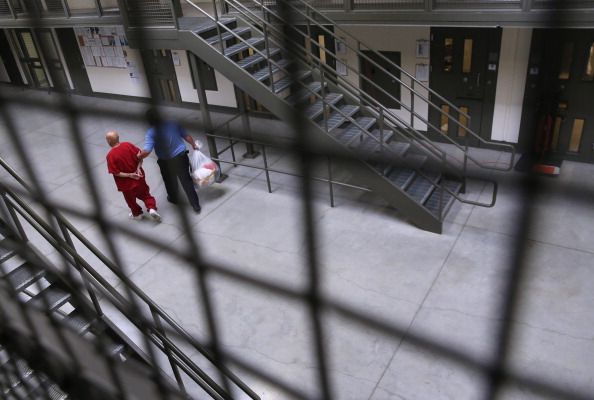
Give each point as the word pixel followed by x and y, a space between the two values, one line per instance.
pixel 117 80
pixel 225 96
pixel 388 38
pixel 511 82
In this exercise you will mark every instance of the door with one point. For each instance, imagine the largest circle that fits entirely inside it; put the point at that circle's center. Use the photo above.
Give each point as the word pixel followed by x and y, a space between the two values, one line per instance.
pixel 161 75
pixel 74 61
pixel 30 58
pixel 378 84
pixel 9 64
pixel 53 61
pixel 322 46
pixel 464 64
pixel 560 84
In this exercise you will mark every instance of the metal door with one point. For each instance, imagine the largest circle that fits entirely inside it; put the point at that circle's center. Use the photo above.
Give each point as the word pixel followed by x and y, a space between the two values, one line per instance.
pixel 161 75
pixel 385 88
pixel 464 64
pixel 30 58
pixel 74 61
pixel 560 83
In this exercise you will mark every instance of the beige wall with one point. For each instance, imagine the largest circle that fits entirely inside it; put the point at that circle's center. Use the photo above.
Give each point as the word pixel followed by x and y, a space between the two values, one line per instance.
pixel 118 80
pixel 225 96
pixel 388 38
pixel 511 81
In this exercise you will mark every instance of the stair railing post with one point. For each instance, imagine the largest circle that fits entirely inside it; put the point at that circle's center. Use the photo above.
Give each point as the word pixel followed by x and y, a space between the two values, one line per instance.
pixel 11 9
pixel 266 168
pixel 167 349
pixel 324 110
pixel 267 48
pixel 331 187
pixel 216 17
pixel 12 218
pixel 79 268
pixel 308 40
pixel 412 103
pixel 463 189
pixel 441 190
pixel 245 122
pixel 174 14
pixel 381 127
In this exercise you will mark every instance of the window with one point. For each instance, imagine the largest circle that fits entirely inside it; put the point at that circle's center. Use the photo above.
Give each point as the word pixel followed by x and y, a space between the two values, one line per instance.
pixel 589 70
pixel 448 54
pixel 210 79
pixel 467 58
pixel 566 59
pixel 463 121
pixel 576 135
pixel 444 123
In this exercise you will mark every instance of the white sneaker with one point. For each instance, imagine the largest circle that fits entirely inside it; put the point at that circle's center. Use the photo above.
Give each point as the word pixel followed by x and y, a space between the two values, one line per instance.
pixel 136 218
pixel 154 215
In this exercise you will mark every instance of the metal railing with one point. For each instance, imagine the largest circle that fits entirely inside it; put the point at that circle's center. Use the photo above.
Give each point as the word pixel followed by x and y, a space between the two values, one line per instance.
pixel 387 119
pixel 162 331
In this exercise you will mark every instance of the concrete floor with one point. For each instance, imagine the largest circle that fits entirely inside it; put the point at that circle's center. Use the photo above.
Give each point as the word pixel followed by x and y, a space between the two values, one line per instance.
pixel 445 287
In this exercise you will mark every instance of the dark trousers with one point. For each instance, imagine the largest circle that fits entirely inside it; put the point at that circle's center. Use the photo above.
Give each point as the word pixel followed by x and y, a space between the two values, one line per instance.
pixel 174 169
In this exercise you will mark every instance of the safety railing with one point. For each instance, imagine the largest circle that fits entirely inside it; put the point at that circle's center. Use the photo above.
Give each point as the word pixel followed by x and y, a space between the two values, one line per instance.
pixel 387 119
pixel 159 330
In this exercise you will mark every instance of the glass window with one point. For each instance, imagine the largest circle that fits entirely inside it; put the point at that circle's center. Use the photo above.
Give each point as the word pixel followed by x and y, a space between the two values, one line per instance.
pixel 30 48
pixel 463 121
pixel 467 58
pixel 82 6
pixel 322 44
pixel 444 123
pixel 576 135
pixel 448 54
pixel 110 6
pixel 566 59
pixel 589 70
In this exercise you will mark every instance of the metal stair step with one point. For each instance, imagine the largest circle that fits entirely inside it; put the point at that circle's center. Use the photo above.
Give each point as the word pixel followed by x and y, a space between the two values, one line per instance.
pixel 353 131
pixel 242 46
pixel 228 35
pixel 52 298
pixel 51 390
pixel 399 148
pixel 388 134
pixel 401 177
pixel 264 73
pixel 78 322
pixel 207 26
pixel 432 203
pixel 337 118
pixel 315 110
pixel 5 251
pixel 256 58
pixel 303 94
pixel 367 147
pixel 23 276
pixel 420 189
pixel 287 81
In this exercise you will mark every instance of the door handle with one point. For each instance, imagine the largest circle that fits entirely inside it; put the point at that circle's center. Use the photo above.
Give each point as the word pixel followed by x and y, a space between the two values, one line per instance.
pixel 478 79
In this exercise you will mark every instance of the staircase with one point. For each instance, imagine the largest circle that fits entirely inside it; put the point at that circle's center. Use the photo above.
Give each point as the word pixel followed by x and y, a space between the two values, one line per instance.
pixel 77 299
pixel 257 47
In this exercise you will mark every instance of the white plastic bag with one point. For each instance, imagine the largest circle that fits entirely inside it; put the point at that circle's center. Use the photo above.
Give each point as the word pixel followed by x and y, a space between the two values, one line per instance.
pixel 204 171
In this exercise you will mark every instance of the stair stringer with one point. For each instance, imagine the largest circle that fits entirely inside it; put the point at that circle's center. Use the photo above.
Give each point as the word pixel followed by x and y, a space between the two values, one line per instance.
pixel 363 174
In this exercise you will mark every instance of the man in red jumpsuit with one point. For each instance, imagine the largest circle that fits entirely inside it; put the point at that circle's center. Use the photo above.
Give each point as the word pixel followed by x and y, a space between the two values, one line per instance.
pixel 128 174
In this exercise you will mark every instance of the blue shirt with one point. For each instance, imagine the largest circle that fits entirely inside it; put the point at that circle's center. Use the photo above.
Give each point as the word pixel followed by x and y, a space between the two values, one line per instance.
pixel 167 140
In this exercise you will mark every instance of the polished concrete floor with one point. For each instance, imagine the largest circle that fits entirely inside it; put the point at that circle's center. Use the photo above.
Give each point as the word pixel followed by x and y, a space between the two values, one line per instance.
pixel 448 288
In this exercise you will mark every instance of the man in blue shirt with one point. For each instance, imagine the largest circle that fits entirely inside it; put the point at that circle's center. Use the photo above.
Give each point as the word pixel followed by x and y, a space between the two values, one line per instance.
pixel 167 139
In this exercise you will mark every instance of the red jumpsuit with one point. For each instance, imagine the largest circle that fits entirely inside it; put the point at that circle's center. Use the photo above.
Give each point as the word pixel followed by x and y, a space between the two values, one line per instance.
pixel 122 158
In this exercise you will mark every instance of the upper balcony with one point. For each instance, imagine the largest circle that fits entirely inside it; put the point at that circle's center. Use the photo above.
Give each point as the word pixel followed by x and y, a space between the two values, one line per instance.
pixel 16 13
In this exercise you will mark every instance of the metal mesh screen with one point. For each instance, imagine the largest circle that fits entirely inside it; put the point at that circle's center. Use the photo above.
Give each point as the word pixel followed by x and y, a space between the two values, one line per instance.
pixel 316 308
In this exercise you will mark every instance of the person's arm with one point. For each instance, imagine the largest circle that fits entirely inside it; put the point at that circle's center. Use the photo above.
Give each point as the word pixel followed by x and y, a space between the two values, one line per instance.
pixel 131 175
pixel 191 141
pixel 149 144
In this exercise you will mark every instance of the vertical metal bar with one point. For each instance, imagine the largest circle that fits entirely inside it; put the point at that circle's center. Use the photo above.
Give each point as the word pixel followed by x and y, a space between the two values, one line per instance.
pixel 266 169
pixel 412 104
pixel 174 15
pixel 174 367
pixel 268 62
pixel 14 219
pixel 66 9
pixel 232 144
pixel 11 9
pixel 245 121
pixel 428 5
pixel 381 127
pixel 216 17
pixel 465 166
pixel 99 8
pixel 330 184
pixel 199 79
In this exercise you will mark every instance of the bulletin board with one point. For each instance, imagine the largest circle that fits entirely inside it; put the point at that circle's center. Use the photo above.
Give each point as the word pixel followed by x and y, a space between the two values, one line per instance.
pixel 103 46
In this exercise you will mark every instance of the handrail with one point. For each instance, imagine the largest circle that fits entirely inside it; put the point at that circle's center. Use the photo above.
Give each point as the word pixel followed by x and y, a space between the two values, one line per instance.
pixel 421 140
pixel 400 69
pixel 115 297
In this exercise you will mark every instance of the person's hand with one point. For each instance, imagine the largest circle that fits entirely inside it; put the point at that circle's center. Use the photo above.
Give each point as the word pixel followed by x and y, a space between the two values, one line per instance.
pixel 139 172
pixel 135 176
pixel 138 154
